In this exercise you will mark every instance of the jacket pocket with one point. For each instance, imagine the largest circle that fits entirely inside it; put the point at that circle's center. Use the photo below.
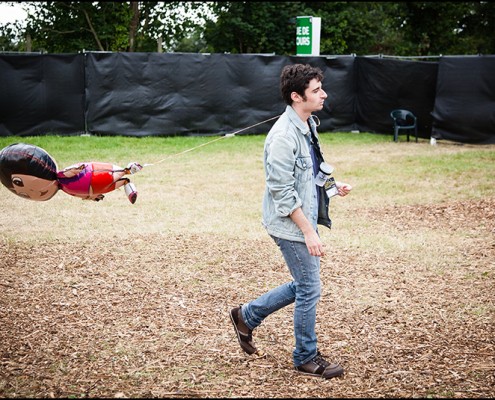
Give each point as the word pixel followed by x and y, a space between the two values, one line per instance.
pixel 304 169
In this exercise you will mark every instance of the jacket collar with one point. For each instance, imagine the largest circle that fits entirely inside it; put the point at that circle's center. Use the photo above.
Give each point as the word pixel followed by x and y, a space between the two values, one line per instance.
pixel 294 118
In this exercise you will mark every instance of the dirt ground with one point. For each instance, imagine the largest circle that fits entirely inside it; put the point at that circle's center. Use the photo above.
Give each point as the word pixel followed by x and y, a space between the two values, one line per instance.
pixel 79 319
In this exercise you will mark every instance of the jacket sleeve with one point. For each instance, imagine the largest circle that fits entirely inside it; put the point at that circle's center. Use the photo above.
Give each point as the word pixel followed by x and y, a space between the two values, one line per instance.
pixel 280 178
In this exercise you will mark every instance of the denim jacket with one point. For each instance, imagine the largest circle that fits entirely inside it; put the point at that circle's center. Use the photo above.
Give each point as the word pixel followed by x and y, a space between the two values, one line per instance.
pixel 290 182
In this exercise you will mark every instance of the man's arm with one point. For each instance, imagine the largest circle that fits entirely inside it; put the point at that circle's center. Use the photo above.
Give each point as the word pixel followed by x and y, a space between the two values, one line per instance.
pixel 313 242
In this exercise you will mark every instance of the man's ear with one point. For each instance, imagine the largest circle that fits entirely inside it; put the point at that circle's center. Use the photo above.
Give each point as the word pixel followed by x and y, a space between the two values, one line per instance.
pixel 296 98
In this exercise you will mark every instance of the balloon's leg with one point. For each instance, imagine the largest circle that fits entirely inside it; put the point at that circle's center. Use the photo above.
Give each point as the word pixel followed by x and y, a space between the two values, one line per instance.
pixel 131 192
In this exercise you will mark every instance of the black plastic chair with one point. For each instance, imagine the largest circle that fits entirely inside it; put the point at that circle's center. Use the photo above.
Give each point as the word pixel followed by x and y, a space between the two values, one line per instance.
pixel 404 120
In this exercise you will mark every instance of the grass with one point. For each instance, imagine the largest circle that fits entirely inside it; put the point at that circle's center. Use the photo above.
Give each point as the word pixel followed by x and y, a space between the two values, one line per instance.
pixel 198 178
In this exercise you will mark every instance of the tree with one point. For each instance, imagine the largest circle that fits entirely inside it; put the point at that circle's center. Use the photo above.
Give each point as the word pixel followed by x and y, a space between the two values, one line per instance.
pixel 9 37
pixel 476 29
pixel 433 28
pixel 252 27
pixel 66 27
pixel 355 27
pixel 194 42
pixel 430 27
pixel 363 28
pixel 347 27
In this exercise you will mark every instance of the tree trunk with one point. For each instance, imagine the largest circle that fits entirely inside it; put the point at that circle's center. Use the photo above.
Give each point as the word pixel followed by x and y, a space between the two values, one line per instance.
pixel 133 26
pixel 93 31
pixel 28 43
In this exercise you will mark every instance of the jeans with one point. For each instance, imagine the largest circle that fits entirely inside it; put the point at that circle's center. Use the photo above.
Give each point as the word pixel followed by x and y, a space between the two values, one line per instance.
pixel 304 291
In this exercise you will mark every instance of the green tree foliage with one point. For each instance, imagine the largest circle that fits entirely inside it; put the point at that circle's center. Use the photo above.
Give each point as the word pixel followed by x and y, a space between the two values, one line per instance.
pixel 252 27
pixel 66 27
pixel 347 27
pixel 8 37
pixel 478 27
pixel 194 42
pixel 363 28
pixel 356 27
pixel 449 27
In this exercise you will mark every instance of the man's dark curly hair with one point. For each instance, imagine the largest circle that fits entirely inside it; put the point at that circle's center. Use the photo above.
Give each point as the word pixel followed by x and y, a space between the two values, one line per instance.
pixel 296 78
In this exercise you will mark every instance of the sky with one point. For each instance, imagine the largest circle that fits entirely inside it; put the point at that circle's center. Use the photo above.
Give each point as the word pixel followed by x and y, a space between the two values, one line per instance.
pixel 11 13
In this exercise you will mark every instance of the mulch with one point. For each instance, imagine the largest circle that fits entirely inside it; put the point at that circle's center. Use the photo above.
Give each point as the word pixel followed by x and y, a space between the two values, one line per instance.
pixel 149 317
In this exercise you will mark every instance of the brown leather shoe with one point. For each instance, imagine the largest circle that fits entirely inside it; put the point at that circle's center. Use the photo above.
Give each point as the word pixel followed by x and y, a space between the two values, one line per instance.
pixel 318 366
pixel 244 334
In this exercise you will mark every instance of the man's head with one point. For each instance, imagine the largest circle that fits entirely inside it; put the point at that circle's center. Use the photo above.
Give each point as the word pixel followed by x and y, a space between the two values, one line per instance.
pixel 296 78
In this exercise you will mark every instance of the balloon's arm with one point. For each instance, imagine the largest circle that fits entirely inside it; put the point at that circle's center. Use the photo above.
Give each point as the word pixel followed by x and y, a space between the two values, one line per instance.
pixel 94 198
pixel 69 172
pixel 133 167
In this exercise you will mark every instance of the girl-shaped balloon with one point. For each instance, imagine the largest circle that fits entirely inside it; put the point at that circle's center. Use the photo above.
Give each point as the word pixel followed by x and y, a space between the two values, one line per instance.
pixel 30 172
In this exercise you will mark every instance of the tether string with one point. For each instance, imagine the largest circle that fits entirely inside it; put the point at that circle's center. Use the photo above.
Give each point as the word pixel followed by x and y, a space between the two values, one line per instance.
pixel 212 141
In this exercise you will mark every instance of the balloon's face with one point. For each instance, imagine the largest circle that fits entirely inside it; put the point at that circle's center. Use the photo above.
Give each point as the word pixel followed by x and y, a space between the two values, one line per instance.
pixel 28 171
pixel 33 188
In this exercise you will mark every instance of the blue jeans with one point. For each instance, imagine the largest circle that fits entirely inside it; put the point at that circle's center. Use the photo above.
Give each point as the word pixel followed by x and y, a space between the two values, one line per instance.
pixel 304 291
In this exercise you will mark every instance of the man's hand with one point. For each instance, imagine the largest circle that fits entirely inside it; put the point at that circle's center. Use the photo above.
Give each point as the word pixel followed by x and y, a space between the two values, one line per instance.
pixel 314 244
pixel 343 188
pixel 311 238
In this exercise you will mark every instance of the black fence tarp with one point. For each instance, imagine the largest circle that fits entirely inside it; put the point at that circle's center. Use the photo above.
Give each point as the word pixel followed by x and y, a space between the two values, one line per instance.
pixel 41 94
pixel 145 94
pixel 465 100
pixel 385 85
pixel 165 94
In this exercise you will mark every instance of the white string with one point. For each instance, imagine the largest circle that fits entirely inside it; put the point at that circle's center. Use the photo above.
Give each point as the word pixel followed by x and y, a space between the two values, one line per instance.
pixel 228 135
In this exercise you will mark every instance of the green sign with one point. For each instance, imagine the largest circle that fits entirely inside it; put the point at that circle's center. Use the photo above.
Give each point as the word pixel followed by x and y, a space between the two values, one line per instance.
pixel 303 35
pixel 308 36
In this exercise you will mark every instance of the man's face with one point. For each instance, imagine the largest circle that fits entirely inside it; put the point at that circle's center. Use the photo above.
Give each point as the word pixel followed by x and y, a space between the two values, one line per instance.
pixel 33 188
pixel 314 96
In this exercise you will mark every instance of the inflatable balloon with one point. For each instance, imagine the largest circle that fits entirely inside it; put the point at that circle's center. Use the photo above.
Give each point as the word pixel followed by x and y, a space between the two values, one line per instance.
pixel 30 172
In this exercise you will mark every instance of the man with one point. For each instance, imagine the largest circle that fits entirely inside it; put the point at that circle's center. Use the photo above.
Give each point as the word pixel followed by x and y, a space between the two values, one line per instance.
pixel 292 207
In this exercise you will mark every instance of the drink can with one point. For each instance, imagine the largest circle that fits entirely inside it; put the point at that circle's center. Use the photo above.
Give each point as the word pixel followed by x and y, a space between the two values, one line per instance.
pixel 323 174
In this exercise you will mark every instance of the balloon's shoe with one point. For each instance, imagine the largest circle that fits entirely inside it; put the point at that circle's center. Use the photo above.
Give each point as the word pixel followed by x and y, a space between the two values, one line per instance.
pixel 134 167
pixel 131 192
